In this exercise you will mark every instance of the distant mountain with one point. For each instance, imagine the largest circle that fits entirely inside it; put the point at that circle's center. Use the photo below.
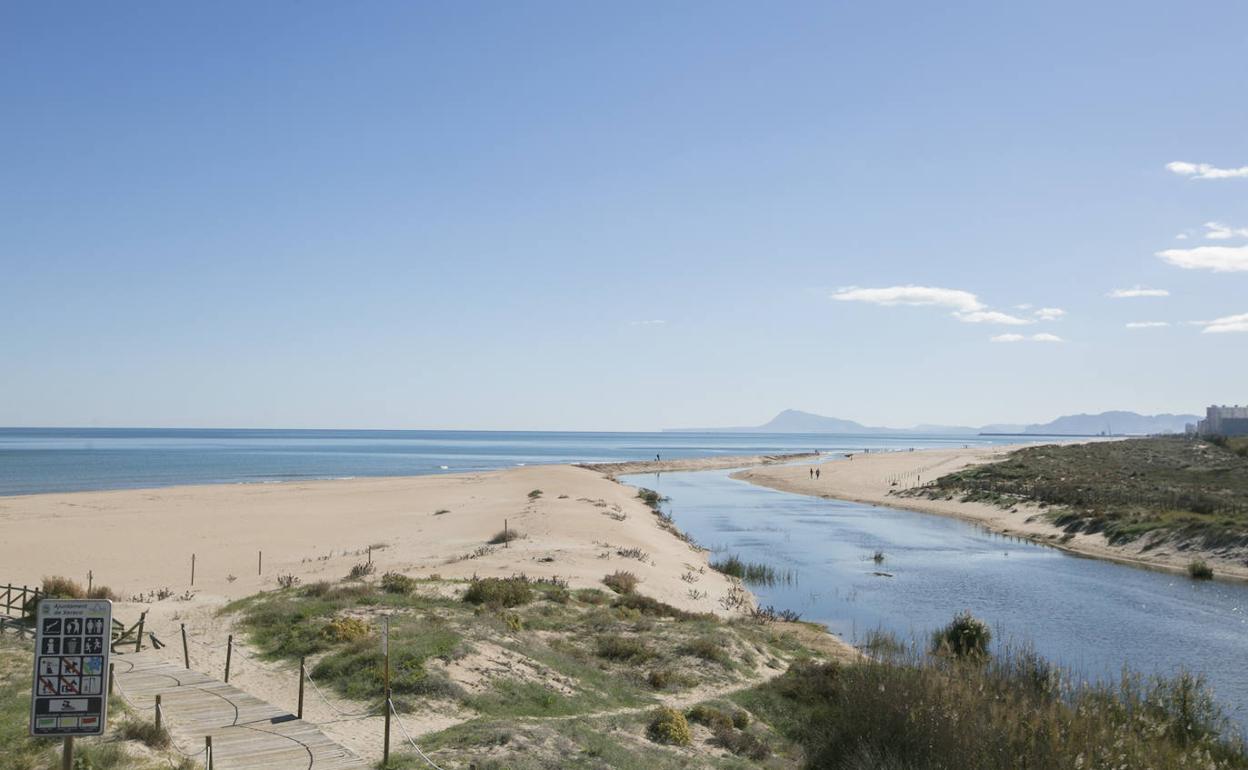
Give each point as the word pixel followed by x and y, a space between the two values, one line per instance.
pixel 1117 423
pixel 795 421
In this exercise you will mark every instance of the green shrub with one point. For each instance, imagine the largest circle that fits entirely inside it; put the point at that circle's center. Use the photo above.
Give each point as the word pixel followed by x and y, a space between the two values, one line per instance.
pixel 708 648
pixel 356 670
pixel 925 712
pixel 621 582
pixel 317 589
pixel 146 733
pixel 1200 570
pixel 397 583
pixel 709 716
pixel 653 607
pixel 505 535
pixel 102 592
pixel 57 587
pixel 669 726
pixel 741 743
pixel 499 592
pixel 536 493
pixel 591 596
pixel 346 629
pixel 651 498
pixel 361 570
pixel 965 637
pixel 623 648
pixel 751 572
pixel 740 719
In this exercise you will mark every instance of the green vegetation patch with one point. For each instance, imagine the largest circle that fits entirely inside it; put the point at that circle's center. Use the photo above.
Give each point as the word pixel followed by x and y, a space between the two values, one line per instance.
pixel 1190 490
pixel 999 714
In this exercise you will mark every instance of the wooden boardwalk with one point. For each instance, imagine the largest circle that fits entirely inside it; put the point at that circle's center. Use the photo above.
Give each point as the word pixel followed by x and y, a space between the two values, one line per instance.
pixel 246 731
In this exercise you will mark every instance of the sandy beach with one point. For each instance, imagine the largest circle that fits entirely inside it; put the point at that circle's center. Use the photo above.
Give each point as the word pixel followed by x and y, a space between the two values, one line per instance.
pixel 869 478
pixel 136 541
pixel 582 526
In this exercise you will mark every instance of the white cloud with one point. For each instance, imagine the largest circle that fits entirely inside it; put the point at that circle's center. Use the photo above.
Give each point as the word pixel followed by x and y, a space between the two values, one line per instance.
pixel 962 301
pixel 1137 291
pixel 1024 306
pixel 1147 324
pixel 991 317
pixel 1205 170
pixel 655 322
pixel 966 306
pixel 1181 236
pixel 1023 338
pixel 1217 231
pixel 1219 259
pixel 1230 323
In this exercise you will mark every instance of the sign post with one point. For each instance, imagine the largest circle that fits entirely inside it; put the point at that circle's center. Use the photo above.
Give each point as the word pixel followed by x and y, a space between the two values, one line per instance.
pixel 68 695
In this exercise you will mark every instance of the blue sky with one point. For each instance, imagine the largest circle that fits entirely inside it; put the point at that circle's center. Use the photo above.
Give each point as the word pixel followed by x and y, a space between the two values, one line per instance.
pixel 627 216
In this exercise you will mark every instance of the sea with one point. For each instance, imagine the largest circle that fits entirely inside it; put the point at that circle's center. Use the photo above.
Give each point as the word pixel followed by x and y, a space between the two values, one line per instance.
pixel 38 460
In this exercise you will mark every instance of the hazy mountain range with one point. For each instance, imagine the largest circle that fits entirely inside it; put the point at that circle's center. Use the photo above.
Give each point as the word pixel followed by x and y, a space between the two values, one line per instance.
pixel 1117 423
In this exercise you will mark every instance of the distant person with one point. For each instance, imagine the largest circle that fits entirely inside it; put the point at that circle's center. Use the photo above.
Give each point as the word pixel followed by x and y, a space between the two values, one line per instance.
pixel 657 458
pixel 817 472
pixel 812 473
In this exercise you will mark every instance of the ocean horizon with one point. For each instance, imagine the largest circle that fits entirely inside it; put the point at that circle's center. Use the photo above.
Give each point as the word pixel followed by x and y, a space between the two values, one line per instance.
pixel 43 460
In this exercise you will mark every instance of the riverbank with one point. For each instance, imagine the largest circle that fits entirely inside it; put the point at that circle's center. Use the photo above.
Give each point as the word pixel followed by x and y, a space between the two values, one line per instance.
pixel 875 479
pixel 696 463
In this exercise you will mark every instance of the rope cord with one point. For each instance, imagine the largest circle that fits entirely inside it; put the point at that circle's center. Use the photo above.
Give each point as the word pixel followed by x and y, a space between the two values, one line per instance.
pixel 357 715
pixel 409 737
pixel 164 719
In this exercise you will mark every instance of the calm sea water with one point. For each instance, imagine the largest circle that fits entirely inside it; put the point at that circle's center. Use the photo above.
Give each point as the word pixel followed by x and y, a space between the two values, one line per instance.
pixel 1091 616
pixel 34 460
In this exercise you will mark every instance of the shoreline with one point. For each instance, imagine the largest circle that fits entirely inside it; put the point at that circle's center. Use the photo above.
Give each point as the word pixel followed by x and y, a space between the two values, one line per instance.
pixel 576 523
pixel 716 463
pixel 867 480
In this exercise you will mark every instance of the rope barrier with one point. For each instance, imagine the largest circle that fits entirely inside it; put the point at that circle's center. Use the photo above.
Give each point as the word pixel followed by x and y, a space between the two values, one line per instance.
pixel 163 718
pixel 316 688
pixel 409 737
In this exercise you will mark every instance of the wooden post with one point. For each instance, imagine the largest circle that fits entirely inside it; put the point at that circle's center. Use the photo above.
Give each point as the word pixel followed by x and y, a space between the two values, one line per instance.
pixel 110 678
pixel 385 649
pixel 506 540
pixel 370 554
pixel 186 653
pixel 302 673
pixel 90 581
pixel 260 562
pixel 158 712
pixel 192 569
pixel 23 600
pixel 138 640
pixel 229 653
pixel 67 753
pixel 208 752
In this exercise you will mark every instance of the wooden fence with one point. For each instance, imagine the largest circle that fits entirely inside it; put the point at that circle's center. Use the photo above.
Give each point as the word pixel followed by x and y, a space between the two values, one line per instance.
pixel 14 600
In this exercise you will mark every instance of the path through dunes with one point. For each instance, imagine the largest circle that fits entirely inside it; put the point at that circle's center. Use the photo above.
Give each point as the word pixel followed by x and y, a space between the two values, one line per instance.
pixel 246 731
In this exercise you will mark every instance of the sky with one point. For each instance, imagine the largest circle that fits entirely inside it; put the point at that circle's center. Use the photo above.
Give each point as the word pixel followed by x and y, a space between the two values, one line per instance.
pixel 628 216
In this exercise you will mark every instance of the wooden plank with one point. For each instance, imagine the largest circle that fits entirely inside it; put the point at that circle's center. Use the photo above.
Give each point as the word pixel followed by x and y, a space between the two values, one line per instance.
pixel 246 731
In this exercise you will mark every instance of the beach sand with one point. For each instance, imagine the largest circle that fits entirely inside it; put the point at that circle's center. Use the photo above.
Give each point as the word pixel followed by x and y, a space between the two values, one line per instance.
pixel 138 541
pixel 868 478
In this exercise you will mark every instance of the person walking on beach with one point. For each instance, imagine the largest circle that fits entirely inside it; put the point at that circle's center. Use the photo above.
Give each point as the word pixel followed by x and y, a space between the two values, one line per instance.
pixel 812 473
pixel 817 472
